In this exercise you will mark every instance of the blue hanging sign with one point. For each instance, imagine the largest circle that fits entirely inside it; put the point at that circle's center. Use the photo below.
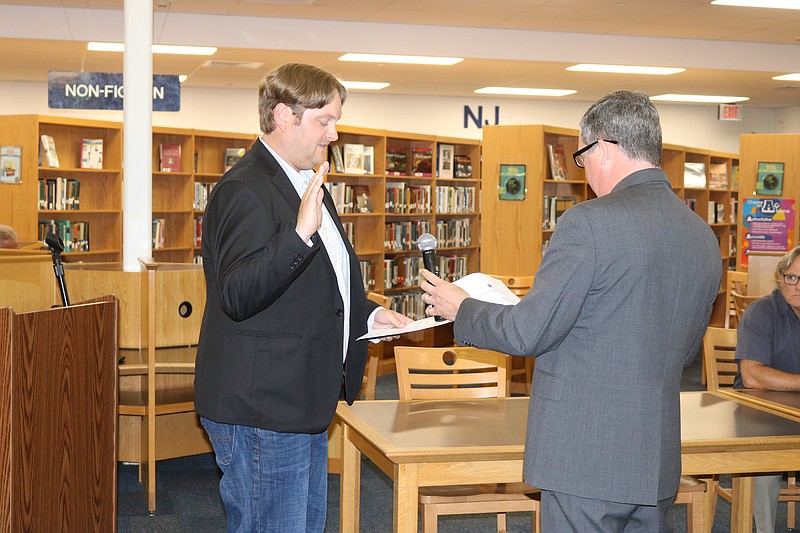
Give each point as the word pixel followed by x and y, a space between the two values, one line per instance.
pixel 104 90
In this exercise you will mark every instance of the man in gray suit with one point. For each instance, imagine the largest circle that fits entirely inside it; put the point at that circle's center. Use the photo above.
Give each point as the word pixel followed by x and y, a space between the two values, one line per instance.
pixel 620 304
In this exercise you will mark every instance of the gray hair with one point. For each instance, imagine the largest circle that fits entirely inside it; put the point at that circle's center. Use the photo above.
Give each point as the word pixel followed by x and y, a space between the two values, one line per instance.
pixel 8 237
pixel 631 119
pixel 784 263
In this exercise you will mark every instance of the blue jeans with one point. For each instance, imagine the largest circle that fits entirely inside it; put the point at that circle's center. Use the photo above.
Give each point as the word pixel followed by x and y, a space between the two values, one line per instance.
pixel 271 482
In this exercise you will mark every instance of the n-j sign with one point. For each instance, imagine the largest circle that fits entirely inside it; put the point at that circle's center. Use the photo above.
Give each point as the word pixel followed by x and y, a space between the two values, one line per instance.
pixel 104 90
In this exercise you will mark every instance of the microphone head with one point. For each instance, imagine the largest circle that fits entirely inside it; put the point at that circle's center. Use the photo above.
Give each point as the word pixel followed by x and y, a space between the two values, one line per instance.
pixel 426 242
pixel 54 242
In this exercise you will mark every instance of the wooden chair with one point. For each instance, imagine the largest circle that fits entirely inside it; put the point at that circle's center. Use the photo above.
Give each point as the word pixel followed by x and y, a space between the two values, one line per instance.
pixel 735 282
pixel 374 353
pixel 456 372
pixel 719 348
pixel 740 303
pixel 521 367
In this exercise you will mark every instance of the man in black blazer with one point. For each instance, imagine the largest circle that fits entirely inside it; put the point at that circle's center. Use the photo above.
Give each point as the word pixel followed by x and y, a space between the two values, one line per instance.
pixel 285 305
pixel 619 305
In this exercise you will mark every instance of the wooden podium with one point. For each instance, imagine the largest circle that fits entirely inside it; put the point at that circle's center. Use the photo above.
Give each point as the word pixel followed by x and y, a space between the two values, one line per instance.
pixel 58 406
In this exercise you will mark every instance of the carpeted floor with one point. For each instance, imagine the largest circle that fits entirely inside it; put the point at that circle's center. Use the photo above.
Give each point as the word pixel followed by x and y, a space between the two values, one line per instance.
pixel 188 498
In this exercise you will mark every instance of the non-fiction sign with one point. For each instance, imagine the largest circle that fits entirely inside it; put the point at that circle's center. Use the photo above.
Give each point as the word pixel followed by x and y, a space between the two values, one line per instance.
pixel 104 90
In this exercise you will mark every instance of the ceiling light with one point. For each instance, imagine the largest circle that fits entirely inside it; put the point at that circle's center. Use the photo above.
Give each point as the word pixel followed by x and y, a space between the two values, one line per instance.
pixel 182 78
pixel 157 49
pixel 411 60
pixel 366 85
pixel 525 91
pixel 788 77
pixel 699 98
pixel 625 69
pixel 777 4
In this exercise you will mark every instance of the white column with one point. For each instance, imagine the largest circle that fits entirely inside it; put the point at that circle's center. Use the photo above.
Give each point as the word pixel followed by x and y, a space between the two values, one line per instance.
pixel 137 188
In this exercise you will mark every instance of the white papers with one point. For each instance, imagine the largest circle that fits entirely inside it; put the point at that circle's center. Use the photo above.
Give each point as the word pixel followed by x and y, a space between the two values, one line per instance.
pixel 478 285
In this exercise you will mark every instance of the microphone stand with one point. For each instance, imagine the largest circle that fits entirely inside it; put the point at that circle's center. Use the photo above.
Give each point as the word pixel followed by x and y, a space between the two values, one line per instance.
pixel 56 247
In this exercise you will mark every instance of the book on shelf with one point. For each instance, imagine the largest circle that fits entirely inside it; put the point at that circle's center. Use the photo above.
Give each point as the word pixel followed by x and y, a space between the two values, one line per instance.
pixel 694 175
pixel 735 177
pixel 74 234
pixel 463 166
pixel 49 155
pixel 10 164
pixel 169 156
pixel 158 233
pixel 446 161
pixel 92 153
pixel 769 179
pixel 337 163
pixel 361 199
pixel 353 158
pixel 422 161
pixel 396 162
pixel 369 160
pixel 232 156
pixel 59 194
pixel 718 176
pixel 558 162
pixel 558 205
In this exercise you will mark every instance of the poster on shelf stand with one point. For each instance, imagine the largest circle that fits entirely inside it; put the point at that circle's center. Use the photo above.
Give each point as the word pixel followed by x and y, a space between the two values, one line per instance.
pixel 767 225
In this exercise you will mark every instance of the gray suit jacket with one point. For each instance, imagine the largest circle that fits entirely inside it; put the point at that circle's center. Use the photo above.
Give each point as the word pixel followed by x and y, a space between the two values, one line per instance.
pixel 620 304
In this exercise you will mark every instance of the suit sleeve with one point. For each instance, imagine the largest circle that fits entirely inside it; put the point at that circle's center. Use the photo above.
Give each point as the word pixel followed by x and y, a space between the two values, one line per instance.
pixel 543 318
pixel 255 251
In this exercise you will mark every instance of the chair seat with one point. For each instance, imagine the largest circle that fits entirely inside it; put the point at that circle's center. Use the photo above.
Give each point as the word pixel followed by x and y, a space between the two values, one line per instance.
pixel 483 492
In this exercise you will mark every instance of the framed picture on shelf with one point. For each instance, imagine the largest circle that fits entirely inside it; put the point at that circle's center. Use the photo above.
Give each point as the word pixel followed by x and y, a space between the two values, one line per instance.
pixel 445 158
pixel 512 182
pixel 10 164
pixel 770 178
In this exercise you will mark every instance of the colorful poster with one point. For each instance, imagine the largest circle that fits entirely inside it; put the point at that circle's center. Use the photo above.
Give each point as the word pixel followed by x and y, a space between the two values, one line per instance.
pixel 768 225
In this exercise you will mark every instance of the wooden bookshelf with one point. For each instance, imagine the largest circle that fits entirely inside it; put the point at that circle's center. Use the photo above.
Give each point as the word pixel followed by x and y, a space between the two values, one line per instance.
pixel 420 210
pixel 100 189
pixel 514 233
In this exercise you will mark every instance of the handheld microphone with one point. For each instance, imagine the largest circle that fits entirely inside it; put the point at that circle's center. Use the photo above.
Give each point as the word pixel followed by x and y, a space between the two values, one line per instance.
pixel 427 245
pixel 56 246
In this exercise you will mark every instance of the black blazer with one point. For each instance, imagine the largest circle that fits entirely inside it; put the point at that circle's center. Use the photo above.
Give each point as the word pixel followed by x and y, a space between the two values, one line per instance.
pixel 270 349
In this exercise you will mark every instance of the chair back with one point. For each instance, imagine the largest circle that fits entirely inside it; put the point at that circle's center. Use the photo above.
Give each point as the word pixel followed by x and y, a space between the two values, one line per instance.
pixel 719 348
pixel 519 285
pixel 735 282
pixel 380 299
pixel 450 372
pixel 740 303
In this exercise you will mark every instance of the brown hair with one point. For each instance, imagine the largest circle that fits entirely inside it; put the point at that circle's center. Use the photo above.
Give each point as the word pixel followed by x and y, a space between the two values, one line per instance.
pixel 298 86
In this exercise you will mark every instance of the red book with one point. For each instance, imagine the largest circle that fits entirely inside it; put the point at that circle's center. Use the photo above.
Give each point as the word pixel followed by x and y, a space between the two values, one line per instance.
pixel 170 155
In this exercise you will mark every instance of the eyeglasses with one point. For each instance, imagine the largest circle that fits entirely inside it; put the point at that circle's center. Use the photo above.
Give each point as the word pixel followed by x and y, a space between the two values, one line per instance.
pixel 578 156
pixel 790 279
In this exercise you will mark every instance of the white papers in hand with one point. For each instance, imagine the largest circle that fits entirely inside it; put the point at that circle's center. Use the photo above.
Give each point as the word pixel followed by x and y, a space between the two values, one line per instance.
pixel 478 285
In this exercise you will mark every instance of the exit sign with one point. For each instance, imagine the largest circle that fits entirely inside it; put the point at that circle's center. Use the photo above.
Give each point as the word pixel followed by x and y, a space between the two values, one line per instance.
pixel 730 112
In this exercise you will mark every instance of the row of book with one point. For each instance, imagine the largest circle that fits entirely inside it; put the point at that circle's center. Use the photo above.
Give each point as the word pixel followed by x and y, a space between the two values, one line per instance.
pixel 91 153
pixel 409 304
pixel 553 208
pixel 198 231
pixel 202 191
pixel 404 235
pixel 456 199
pixel 368 275
pixel 352 158
pixel 75 234
pixel 349 198
pixel 402 197
pixel 59 194
pixel 401 272
pixel 716 210
pixel 453 233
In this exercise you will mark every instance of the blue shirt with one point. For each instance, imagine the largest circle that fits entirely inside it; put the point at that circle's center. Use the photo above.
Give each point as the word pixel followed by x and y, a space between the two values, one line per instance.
pixel 769 333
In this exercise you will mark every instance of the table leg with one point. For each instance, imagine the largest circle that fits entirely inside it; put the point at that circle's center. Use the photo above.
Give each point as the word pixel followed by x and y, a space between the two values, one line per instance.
pixel 349 485
pixel 406 498
pixel 742 504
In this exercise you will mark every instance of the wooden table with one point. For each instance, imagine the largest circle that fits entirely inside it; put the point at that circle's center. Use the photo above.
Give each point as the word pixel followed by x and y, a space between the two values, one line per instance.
pixel 784 402
pixel 450 442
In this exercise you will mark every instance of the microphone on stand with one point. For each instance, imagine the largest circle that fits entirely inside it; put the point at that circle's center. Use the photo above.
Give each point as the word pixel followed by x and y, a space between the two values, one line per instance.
pixel 56 246
pixel 427 245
